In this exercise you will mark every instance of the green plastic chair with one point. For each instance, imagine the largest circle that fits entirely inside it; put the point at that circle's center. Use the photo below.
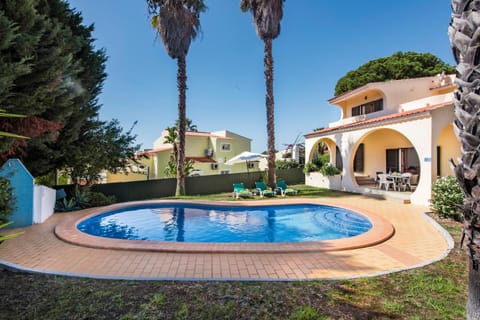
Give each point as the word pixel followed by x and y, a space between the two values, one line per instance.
pixel 284 190
pixel 263 190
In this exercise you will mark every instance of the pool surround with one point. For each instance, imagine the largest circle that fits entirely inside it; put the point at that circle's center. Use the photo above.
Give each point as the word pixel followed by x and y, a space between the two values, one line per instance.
pixel 67 231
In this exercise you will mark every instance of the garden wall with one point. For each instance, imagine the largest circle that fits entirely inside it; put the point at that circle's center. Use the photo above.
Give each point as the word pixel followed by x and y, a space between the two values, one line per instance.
pixel 200 185
pixel 316 179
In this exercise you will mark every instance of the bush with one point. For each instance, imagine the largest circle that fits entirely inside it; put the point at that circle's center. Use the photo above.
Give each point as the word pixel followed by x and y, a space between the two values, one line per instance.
pixel 329 170
pixel 7 199
pixel 285 165
pixel 321 160
pixel 447 198
pixel 310 167
pixel 84 198
pixel 98 199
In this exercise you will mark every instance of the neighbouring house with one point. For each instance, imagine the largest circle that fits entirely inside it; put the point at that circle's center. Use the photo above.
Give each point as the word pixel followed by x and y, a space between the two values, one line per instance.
pixel 208 150
pixel 393 126
pixel 293 152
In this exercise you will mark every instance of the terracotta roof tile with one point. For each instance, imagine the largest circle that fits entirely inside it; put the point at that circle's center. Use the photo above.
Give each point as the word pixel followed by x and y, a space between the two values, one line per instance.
pixel 201 159
pixel 205 134
pixel 152 151
pixel 394 116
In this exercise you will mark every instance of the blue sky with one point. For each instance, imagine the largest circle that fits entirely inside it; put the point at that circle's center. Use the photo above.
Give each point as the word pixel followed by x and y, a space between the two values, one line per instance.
pixel 320 42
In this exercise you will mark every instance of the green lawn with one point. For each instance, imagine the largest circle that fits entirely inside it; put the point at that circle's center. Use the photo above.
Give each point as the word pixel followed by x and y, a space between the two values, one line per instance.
pixel 437 291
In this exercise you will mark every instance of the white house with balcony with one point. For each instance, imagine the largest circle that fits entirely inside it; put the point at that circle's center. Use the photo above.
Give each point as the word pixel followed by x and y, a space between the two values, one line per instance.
pixel 393 126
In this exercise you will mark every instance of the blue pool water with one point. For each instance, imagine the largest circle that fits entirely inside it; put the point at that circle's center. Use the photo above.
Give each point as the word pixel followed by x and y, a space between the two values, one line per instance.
pixel 212 223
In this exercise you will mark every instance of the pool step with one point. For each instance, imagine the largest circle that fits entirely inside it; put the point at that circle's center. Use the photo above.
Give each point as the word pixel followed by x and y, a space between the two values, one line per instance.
pixel 346 222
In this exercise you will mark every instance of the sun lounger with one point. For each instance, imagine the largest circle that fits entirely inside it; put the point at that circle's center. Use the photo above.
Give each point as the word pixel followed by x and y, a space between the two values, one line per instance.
pixel 263 190
pixel 284 190
pixel 239 191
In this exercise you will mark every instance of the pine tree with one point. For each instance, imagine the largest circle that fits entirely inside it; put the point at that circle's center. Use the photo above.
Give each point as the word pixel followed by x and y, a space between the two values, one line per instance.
pixel 56 75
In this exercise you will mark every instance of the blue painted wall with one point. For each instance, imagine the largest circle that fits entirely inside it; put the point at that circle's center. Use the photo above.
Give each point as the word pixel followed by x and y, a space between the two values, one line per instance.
pixel 23 184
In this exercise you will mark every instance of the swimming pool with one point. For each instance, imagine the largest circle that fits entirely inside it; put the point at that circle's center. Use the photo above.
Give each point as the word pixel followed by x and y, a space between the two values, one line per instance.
pixel 187 222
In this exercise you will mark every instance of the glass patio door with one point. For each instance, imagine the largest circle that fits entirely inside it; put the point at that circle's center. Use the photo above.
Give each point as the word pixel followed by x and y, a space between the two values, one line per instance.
pixel 401 160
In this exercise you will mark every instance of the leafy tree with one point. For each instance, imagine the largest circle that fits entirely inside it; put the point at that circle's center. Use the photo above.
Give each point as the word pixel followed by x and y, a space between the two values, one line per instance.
pixel 105 147
pixel 51 73
pixel 463 32
pixel 178 22
pixel 30 67
pixel 398 66
pixel 267 15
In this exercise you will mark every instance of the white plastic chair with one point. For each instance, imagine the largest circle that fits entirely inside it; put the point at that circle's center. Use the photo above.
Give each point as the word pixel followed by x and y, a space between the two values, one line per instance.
pixel 405 181
pixel 384 181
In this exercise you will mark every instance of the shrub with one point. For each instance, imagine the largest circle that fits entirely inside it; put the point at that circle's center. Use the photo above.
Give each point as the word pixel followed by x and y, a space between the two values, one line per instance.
pixel 329 170
pixel 447 198
pixel 320 160
pixel 310 167
pixel 285 165
pixel 84 198
pixel 7 199
pixel 98 199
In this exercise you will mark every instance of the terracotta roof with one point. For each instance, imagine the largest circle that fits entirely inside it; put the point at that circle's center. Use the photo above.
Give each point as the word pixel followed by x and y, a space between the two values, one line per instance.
pixel 152 151
pixel 394 116
pixel 205 134
pixel 201 159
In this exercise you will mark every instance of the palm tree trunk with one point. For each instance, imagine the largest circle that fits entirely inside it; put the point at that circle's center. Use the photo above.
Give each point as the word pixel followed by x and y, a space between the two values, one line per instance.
pixel 463 33
pixel 182 88
pixel 473 308
pixel 268 62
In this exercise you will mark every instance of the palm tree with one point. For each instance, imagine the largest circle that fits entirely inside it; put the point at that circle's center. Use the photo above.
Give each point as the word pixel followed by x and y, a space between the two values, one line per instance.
pixel 189 126
pixel 178 23
pixel 463 33
pixel 266 17
pixel 171 138
pixel 5 114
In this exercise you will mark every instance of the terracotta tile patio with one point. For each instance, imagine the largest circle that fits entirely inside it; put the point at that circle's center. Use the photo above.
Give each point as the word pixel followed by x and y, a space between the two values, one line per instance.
pixel 416 241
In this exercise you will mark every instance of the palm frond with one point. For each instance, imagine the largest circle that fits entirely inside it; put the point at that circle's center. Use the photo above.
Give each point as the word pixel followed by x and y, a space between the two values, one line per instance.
pixel 12 135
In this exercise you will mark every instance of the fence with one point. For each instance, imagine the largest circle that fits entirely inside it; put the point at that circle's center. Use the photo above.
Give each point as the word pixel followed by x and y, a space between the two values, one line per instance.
pixel 201 185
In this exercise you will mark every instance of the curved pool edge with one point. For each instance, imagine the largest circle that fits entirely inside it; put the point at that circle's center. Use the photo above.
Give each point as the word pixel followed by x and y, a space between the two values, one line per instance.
pixel 67 231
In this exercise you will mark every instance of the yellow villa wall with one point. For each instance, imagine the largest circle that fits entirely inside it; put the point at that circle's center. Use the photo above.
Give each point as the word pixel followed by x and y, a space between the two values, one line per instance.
pixel 371 95
pixel 162 159
pixel 238 144
pixel 449 149
pixel 131 176
pixel 195 146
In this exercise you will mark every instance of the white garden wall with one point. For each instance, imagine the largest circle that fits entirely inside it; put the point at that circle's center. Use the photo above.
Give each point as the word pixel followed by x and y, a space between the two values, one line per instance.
pixel 43 203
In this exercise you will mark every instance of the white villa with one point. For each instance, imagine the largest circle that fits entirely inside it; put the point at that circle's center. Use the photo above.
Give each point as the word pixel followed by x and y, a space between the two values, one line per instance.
pixel 393 126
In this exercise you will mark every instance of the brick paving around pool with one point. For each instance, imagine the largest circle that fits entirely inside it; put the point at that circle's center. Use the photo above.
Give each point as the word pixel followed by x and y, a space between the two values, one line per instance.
pixel 56 247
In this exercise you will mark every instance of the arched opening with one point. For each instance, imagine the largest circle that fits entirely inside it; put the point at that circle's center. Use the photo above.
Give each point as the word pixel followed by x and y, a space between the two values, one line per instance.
pixel 326 150
pixel 383 151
